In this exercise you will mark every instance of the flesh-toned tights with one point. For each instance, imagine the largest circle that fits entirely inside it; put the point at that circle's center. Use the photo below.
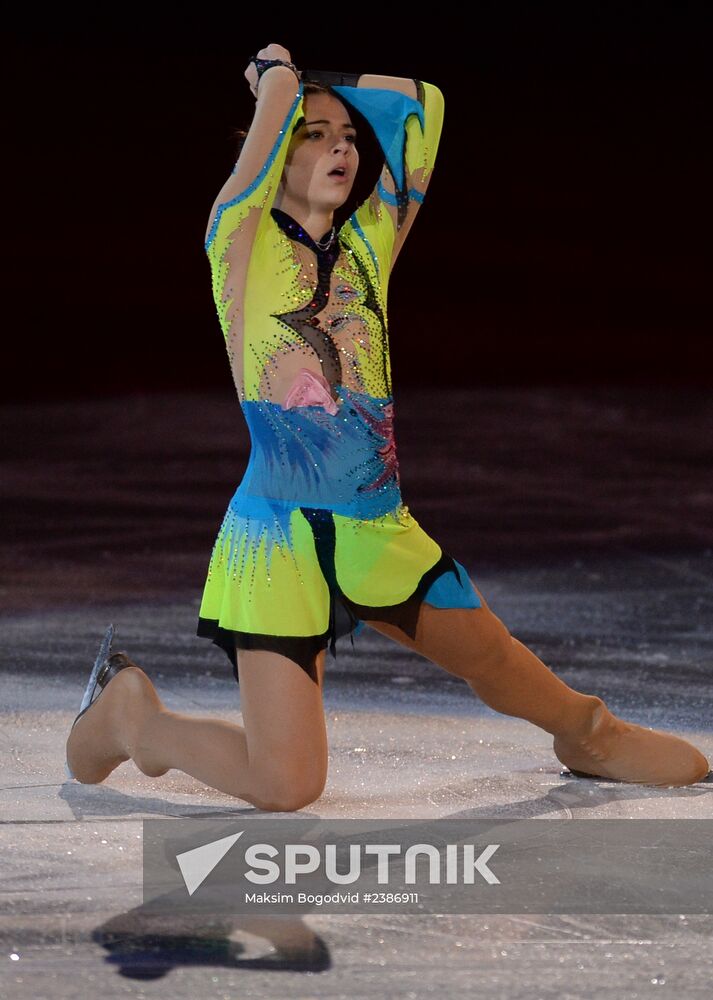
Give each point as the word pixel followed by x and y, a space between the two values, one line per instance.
pixel 277 759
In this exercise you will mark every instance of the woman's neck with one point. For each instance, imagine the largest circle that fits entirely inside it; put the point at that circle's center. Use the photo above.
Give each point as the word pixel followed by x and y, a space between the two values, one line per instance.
pixel 314 221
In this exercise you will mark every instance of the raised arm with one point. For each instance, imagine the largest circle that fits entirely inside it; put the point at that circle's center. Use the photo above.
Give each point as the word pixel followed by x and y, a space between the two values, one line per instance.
pixel 242 209
pixel 250 190
pixel 407 118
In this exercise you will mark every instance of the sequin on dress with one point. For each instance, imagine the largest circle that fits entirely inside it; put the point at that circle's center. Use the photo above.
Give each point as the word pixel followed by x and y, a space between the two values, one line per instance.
pixel 316 537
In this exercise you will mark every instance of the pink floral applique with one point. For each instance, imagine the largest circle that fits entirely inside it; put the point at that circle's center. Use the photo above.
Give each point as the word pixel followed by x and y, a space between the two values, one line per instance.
pixel 384 427
pixel 310 389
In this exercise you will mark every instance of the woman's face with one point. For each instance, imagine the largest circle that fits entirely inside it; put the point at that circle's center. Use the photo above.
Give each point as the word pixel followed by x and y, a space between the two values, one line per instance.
pixel 324 143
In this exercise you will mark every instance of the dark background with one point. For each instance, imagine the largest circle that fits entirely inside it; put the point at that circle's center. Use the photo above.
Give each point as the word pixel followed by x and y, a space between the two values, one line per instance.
pixel 564 239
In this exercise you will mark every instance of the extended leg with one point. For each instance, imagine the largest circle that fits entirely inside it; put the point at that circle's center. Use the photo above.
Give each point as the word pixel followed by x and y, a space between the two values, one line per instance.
pixel 474 644
pixel 277 761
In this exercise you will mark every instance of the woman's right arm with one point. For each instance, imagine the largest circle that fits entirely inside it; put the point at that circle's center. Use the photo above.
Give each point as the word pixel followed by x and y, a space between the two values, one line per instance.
pixel 250 190
pixel 243 206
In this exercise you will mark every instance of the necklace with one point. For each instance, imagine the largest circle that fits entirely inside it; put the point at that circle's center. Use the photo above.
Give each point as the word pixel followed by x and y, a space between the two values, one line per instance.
pixel 329 241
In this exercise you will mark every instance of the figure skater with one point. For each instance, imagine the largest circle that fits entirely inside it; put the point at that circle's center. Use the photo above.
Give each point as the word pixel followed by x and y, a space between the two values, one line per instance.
pixel 316 540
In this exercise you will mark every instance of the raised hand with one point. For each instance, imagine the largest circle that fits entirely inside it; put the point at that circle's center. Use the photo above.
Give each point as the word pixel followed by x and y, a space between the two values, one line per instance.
pixel 271 51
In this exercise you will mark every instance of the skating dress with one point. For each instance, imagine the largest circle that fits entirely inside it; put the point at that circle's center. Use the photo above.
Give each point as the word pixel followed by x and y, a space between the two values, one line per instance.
pixel 317 538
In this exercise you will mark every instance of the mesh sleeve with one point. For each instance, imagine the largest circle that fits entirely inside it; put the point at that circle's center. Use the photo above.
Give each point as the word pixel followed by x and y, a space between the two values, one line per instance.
pixel 409 132
pixel 242 209
pixel 249 192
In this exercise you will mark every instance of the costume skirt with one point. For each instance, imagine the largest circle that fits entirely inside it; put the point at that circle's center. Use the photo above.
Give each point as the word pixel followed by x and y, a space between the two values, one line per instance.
pixel 294 579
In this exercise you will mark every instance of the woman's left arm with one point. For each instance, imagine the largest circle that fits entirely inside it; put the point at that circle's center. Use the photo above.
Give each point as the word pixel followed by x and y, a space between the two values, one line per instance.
pixel 403 84
pixel 406 116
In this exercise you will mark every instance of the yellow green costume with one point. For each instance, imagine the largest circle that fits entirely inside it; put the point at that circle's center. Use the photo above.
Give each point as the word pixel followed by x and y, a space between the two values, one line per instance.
pixel 316 538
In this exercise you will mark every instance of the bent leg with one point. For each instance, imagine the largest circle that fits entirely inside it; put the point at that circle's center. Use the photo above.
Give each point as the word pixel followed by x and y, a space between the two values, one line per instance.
pixel 277 761
pixel 285 728
pixel 474 644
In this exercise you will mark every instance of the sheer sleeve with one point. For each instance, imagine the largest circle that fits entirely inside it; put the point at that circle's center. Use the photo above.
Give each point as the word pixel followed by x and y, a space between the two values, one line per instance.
pixel 241 211
pixel 409 132
pixel 250 189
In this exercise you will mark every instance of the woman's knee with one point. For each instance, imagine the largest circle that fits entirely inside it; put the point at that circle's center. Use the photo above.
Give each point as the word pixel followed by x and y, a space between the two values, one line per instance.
pixel 288 789
pixel 289 799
